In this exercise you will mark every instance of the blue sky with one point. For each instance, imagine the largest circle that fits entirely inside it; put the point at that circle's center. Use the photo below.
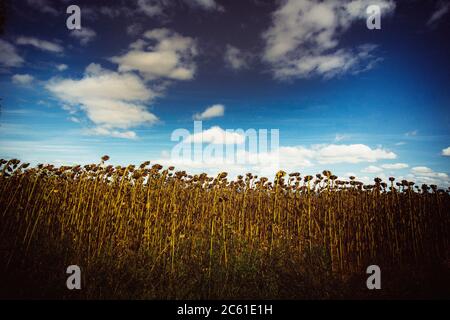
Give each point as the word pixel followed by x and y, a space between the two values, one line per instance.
pixel 343 97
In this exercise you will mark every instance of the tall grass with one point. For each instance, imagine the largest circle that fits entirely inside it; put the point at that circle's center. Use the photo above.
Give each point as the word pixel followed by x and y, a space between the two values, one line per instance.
pixel 173 235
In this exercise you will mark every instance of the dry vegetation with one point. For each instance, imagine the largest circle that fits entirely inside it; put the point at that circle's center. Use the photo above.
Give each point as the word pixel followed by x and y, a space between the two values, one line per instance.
pixel 150 232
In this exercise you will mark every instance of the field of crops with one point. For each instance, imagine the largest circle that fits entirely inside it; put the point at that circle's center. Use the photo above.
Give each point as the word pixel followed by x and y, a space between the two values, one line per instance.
pixel 152 232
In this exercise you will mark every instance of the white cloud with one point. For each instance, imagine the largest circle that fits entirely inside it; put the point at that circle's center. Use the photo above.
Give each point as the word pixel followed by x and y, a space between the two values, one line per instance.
pixel 43 45
pixel 22 79
pixel 295 156
pixel 427 175
pixel 441 10
pixel 104 131
pixel 168 55
pixel 351 153
pixel 110 100
pixel 62 67
pixel 394 166
pixel 298 156
pixel 117 101
pixel 372 169
pixel 421 170
pixel 216 135
pixel 316 154
pixel 84 35
pixel 235 58
pixel 288 158
pixel 213 111
pixel 43 6
pixel 303 39
pixel 9 56
pixel 446 152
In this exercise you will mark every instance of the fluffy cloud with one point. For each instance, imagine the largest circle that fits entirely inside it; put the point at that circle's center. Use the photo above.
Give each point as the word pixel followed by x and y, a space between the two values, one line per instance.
pixel 421 170
pixel 350 153
pixel 111 100
pixel 394 166
pixel 22 79
pixel 116 101
pixel 40 44
pixel 160 54
pixel 103 131
pixel 267 163
pixel 213 111
pixel 216 135
pixel 303 39
pixel 293 157
pixel 427 175
pixel 372 169
pixel 9 56
pixel 446 152
pixel 321 154
pixel 441 10
pixel 235 58
pixel 84 35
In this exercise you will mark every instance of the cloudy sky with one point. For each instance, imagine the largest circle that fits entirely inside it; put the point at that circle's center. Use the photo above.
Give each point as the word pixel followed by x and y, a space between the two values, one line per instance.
pixel 344 98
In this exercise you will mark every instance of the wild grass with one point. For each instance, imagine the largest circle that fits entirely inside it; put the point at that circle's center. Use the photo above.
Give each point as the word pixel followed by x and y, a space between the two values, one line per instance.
pixel 152 232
